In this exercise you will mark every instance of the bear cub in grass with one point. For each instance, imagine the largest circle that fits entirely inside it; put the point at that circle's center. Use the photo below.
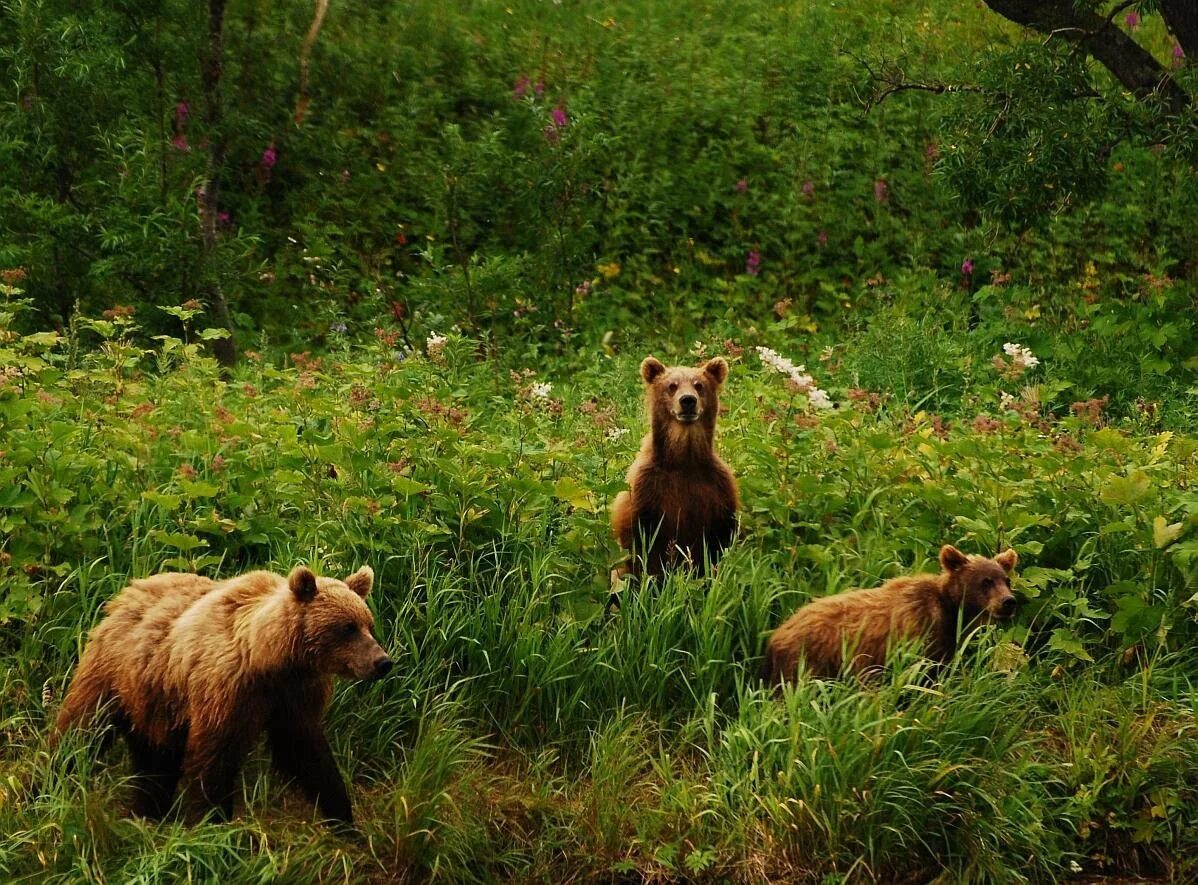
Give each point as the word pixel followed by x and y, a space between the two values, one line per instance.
pixel 866 624
pixel 682 499
pixel 192 671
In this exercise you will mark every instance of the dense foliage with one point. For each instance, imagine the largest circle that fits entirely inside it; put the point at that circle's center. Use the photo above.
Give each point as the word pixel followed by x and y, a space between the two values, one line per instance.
pixel 445 255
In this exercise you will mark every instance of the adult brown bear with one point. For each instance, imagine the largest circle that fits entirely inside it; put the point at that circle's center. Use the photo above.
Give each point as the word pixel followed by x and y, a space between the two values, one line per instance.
pixel 192 671
pixel 866 624
pixel 682 500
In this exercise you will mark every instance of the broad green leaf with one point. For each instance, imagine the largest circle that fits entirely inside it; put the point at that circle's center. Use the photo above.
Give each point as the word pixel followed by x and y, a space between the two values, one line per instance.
pixel 1063 640
pixel 1165 533
pixel 567 489
pixel 1127 490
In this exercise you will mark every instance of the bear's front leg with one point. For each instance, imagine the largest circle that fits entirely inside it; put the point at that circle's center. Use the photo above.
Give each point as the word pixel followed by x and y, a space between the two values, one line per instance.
pixel 301 751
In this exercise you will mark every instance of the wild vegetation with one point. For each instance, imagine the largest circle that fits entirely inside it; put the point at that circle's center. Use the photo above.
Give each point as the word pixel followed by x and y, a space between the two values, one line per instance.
pixel 951 265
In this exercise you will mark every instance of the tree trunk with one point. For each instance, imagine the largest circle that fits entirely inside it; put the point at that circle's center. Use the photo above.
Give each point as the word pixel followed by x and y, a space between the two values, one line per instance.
pixel 1181 18
pixel 1130 63
pixel 224 349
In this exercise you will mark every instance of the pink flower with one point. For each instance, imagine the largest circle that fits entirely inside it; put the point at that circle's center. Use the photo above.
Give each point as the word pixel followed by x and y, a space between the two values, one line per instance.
pixel 881 190
pixel 521 87
pixel 181 112
pixel 224 218
pixel 822 239
pixel 1178 55
pixel 967 267
pixel 559 117
pixel 741 186
pixel 753 263
pixel 538 88
pixel 1132 20
pixel 180 142
pixel 269 157
pixel 808 188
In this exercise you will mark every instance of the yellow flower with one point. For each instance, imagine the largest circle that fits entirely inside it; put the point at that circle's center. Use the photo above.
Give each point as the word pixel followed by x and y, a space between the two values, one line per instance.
pixel 610 271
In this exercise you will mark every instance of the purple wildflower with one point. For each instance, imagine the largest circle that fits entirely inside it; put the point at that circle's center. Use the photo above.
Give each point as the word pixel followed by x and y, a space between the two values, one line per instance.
pixel 967 267
pixel 224 218
pixel 741 186
pixel 181 112
pixel 538 88
pixel 269 157
pixel 521 88
pixel 808 188
pixel 559 117
pixel 753 263
pixel 180 142
pixel 1178 55
pixel 881 190
pixel 1132 20
pixel 822 239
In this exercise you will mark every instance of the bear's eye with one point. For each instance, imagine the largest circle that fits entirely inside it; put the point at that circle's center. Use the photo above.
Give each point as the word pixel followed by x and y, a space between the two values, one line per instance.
pixel 987 583
pixel 698 387
pixel 348 629
pixel 673 387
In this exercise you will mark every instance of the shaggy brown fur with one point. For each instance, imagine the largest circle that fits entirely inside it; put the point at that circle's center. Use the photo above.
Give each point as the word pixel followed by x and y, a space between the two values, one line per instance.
pixel 682 499
pixel 866 624
pixel 192 671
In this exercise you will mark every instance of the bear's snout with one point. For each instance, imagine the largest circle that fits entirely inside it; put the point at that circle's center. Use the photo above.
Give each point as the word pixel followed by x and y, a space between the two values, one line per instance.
pixel 382 667
pixel 688 407
pixel 1007 606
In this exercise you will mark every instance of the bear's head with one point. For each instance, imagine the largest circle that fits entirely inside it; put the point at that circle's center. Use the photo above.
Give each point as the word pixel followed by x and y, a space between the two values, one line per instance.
pixel 982 585
pixel 681 397
pixel 337 638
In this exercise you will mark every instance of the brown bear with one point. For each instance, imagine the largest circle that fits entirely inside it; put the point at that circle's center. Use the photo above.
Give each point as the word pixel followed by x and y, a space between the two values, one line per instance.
pixel 866 624
pixel 192 671
pixel 682 500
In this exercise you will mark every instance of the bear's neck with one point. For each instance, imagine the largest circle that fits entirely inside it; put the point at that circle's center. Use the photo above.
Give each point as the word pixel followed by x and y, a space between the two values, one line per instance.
pixel 683 445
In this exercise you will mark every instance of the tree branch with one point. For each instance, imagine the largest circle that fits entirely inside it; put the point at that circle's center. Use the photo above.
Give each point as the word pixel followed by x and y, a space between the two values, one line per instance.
pixel 1131 64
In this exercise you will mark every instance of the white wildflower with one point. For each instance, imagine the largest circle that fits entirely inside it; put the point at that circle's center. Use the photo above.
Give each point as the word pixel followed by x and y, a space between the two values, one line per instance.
pixel 1074 866
pixel 540 390
pixel 436 346
pixel 616 433
pixel 1005 400
pixel 819 399
pixel 1021 357
pixel 797 374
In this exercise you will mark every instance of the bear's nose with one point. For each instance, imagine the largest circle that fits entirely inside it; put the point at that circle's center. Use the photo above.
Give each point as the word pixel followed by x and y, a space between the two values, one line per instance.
pixel 1007 607
pixel 689 403
pixel 383 667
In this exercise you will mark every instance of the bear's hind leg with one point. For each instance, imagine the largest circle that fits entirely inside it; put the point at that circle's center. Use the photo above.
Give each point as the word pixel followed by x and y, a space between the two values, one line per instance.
pixel 156 772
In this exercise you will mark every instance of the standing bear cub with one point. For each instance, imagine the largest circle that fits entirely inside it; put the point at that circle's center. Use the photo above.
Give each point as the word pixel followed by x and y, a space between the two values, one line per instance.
pixel 682 500
pixel 192 671
pixel 866 624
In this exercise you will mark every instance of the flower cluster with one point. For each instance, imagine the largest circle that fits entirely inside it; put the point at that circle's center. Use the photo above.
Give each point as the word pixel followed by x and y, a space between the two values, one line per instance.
pixel 798 377
pixel 435 346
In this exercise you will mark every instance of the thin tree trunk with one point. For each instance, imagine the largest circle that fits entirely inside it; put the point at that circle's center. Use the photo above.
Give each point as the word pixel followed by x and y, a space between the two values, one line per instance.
pixel 224 349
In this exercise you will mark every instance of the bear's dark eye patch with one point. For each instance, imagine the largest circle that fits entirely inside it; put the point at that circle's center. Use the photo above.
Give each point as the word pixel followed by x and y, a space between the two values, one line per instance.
pixel 348 629
pixel 698 387
pixel 987 583
pixel 673 386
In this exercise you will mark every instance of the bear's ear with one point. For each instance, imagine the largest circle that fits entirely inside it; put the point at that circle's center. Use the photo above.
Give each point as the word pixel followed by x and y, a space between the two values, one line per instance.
pixel 952 559
pixel 717 369
pixel 651 369
pixel 1008 559
pixel 302 583
pixel 361 581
